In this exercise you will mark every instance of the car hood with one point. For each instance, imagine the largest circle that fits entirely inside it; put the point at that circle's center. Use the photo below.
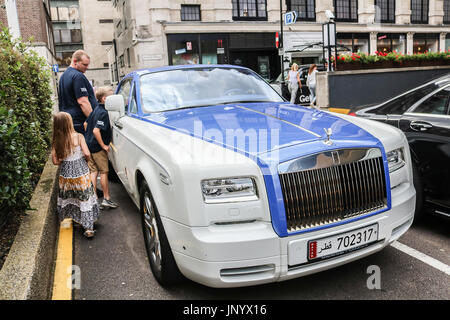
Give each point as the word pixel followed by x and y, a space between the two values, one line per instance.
pixel 259 129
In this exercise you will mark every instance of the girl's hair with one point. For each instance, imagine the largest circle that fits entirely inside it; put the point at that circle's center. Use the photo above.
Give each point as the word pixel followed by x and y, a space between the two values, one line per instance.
pixel 294 67
pixel 62 135
pixel 311 68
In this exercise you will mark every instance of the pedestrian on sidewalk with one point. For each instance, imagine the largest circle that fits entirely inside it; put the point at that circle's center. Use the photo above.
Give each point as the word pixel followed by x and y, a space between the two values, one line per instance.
pixel 76 196
pixel 311 83
pixel 76 94
pixel 98 138
pixel 294 82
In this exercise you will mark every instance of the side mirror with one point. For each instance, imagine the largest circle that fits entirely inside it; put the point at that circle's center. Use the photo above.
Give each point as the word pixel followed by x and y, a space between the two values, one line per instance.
pixel 115 103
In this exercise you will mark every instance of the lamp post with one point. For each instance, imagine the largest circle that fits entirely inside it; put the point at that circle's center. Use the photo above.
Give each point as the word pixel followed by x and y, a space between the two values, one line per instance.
pixel 329 39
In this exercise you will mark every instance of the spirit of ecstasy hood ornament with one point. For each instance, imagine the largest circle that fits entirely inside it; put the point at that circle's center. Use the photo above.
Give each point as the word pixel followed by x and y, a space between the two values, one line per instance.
pixel 328 132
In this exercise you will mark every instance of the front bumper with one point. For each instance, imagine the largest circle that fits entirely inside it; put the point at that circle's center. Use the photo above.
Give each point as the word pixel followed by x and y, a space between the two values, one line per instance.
pixel 252 253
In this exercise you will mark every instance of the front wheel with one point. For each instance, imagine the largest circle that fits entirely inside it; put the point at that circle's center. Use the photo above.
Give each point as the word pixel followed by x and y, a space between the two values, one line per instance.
pixel 162 262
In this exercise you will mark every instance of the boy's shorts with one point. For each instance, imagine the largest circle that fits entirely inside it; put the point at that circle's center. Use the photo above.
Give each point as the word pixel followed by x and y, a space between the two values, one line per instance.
pixel 99 162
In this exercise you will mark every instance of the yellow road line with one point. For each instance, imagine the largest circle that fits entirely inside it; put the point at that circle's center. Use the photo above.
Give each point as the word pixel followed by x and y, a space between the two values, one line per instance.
pixel 339 110
pixel 62 283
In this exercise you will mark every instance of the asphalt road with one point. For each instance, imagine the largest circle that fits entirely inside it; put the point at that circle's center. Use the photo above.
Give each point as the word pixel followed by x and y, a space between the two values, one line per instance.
pixel 114 265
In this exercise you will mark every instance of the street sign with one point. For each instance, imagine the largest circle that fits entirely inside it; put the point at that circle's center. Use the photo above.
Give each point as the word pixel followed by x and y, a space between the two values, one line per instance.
pixel 290 17
pixel 55 68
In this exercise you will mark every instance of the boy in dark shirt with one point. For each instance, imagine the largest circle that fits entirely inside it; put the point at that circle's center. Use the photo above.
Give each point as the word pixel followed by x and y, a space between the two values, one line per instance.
pixel 98 138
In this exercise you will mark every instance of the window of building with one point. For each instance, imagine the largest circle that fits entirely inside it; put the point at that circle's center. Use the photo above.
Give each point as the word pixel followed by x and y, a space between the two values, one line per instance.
pixel 419 11
pixel 249 10
pixel 190 13
pixel 426 42
pixel 65 13
pixel 447 11
pixel 353 42
pixel 385 11
pixel 390 42
pixel 67 36
pixel 306 9
pixel 105 21
pixel 346 10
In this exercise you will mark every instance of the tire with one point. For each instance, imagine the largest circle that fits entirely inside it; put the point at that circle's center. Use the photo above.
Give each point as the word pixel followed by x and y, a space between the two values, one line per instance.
pixel 417 181
pixel 160 256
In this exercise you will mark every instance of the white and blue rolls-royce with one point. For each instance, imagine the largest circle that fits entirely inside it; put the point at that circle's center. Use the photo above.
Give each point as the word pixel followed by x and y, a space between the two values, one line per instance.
pixel 237 187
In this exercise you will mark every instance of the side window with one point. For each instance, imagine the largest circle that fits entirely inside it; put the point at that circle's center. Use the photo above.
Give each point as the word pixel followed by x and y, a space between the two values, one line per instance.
pixel 125 92
pixel 404 102
pixel 133 104
pixel 436 104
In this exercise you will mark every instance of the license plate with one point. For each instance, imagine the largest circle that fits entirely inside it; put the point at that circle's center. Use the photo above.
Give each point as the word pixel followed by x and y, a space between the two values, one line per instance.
pixel 342 243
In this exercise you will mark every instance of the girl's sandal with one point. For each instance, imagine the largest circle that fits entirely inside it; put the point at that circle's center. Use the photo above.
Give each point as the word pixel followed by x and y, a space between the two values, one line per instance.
pixel 89 233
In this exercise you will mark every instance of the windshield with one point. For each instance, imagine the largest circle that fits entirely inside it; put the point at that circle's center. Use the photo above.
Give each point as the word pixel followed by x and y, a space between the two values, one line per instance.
pixel 188 88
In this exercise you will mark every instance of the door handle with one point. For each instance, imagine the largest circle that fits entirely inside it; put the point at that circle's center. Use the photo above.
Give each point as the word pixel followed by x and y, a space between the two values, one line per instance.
pixel 118 124
pixel 420 126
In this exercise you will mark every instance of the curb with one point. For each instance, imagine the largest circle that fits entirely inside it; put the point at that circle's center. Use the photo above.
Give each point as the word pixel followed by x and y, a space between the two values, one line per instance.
pixel 62 286
pixel 27 273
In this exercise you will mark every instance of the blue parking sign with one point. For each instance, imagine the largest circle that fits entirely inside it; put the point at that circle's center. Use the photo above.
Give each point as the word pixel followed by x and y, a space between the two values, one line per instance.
pixel 290 17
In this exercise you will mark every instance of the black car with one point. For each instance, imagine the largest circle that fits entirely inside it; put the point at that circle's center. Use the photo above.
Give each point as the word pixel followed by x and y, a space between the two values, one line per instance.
pixel 423 114
pixel 302 94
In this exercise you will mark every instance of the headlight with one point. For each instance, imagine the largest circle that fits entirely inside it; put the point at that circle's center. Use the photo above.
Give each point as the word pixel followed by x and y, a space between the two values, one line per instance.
pixel 229 190
pixel 396 159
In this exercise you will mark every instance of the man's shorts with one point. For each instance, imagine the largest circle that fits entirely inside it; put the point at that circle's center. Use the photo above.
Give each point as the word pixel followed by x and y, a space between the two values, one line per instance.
pixel 99 162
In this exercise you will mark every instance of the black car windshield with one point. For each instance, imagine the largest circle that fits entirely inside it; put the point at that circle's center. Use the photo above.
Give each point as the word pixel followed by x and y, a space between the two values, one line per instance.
pixel 188 88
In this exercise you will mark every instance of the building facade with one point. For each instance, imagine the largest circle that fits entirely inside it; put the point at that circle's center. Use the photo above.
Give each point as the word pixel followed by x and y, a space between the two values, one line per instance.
pixel 86 25
pixel 243 32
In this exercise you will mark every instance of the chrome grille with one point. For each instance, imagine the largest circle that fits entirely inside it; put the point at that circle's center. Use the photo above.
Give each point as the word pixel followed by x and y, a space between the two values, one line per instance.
pixel 330 192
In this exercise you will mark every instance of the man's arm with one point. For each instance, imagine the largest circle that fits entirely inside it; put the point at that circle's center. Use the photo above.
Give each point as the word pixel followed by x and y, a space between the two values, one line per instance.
pixel 85 105
pixel 98 136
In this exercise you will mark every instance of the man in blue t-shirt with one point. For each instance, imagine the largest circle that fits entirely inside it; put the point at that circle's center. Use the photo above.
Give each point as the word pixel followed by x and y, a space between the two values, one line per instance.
pixel 76 95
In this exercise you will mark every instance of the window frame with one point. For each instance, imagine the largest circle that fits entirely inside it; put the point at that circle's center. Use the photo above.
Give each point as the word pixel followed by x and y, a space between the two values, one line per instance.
pixel 290 7
pixel 413 109
pixel 349 5
pixel 391 6
pixel 422 21
pixel 239 18
pixel 192 6
pixel 446 12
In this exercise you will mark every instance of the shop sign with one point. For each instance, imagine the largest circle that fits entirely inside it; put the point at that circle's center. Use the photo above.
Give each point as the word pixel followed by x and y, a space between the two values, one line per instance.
pixel 180 51
pixel 189 45
pixel 220 50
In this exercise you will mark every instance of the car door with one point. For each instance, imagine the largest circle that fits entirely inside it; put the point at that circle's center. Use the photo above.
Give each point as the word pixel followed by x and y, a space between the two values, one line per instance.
pixel 118 138
pixel 427 127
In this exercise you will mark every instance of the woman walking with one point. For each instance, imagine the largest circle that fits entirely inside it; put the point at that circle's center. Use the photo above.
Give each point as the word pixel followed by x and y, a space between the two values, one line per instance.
pixel 76 196
pixel 294 82
pixel 311 83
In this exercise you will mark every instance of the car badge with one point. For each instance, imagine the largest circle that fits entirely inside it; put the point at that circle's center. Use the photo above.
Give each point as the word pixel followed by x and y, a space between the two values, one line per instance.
pixel 328 132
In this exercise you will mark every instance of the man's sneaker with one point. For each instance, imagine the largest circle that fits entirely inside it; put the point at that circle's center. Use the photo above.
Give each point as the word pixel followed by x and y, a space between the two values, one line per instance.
pixel 109 204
